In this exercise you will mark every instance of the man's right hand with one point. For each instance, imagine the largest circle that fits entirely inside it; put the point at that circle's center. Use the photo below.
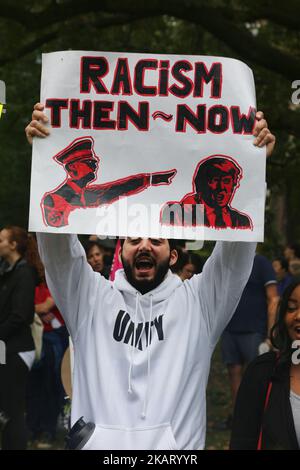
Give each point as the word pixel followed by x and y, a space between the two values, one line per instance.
pixel 37 127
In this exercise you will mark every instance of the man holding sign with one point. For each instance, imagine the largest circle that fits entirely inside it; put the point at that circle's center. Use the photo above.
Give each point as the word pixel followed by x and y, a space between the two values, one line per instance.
pixel 163 405
pixel 144 342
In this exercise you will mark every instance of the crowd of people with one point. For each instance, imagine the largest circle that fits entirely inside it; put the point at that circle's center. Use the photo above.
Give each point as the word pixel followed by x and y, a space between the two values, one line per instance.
pixel 32 396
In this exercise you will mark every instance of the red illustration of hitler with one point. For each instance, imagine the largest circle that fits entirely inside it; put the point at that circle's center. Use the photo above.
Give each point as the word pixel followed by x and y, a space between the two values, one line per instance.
pixel 215 181
pixel 76 191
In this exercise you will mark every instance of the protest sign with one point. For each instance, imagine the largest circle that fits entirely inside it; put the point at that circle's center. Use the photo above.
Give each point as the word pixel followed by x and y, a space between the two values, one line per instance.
pixel 148 145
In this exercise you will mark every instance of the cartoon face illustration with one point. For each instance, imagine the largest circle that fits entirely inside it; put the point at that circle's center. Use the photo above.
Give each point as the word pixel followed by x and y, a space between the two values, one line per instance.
pixel 216 180
pixel 83 170
pixel 80 161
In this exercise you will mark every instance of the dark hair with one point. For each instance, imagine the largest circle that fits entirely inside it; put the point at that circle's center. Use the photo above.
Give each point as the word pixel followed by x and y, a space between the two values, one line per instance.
pixel 90 244
pixel 27 248
pixel 283 262
pixel 172 244
pixel 20 236
pixel 295 247
pixel 186 257
pixel 33 259
pixel 280 337
pixel 182 260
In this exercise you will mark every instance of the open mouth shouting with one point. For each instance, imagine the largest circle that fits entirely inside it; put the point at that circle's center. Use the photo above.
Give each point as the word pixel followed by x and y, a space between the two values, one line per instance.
pixel 144 266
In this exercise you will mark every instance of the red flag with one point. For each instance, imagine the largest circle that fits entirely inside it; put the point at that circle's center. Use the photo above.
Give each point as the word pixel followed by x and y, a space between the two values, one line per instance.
pixel 117 263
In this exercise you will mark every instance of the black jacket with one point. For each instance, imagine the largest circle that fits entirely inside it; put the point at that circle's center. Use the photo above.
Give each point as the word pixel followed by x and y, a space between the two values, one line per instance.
pixel 278 431
pixel 17 288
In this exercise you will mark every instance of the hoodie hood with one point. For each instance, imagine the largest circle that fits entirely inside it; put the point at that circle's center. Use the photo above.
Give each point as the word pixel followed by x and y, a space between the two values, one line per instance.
pixel 162 292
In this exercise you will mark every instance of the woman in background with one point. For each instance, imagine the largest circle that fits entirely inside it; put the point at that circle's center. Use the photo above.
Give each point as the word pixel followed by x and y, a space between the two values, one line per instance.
pixel 267 411
pixel 45 391
pixel 17 286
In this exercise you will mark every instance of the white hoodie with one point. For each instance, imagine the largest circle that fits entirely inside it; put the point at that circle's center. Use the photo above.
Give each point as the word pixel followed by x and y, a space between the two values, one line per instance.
pixel 151 396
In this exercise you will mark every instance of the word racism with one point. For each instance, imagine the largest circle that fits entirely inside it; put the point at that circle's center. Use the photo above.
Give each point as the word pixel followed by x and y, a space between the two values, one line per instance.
pixel 106 114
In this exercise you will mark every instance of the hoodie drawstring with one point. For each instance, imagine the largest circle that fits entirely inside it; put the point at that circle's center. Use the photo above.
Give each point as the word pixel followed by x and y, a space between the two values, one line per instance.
pixel 149 342
pixel 138 306
pixel 133 346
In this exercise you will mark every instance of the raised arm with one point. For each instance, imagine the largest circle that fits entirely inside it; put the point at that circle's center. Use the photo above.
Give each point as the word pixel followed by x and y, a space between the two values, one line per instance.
pixel 221 284
pixel 71 280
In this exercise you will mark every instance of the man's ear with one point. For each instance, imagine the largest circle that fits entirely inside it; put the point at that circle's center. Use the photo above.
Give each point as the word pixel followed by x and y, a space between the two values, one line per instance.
pixel 173 257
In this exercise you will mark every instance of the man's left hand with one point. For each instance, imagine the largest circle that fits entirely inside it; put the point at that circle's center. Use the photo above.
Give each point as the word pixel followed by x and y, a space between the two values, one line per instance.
pixel 263 134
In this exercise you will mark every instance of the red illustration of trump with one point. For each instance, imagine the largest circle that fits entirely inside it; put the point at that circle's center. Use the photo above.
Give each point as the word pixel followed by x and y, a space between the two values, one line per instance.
pixel 215 182
pixel 76 192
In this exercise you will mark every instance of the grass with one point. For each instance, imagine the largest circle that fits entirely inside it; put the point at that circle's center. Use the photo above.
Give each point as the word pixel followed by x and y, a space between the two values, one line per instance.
pixel 218 404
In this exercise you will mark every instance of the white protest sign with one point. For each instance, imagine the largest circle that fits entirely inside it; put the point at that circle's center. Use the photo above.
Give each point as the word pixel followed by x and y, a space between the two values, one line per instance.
pixel 148 145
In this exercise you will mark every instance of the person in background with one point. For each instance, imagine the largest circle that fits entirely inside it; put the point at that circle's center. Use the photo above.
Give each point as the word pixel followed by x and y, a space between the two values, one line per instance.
pixel 267 411
pixel 17 286
pixel 108 245
pixel 251 323
pixel 45 390
pixel 94 255
pixel 187 265
pixel 283 276
pixel 292 254
pixel 3 265
pixel 100 254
